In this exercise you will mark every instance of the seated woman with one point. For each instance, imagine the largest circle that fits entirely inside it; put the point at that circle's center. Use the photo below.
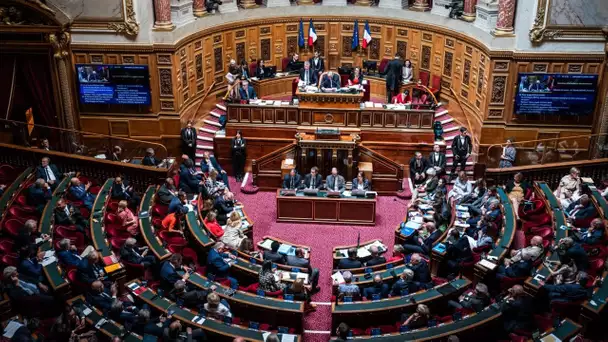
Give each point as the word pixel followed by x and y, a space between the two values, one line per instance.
pixel 461 188
pixel 569 188
pixel 212 225
pixel 207 207
pixel 127 219
pixel 268 281
pixel 211 183
pixel 402 98
pixel 246 247
pixel 479 190
pixel 398 254
pixel 233 235
pixel 563 271
pixel 173 222
pixel 259 70
pixel 301 292
pixel 516 190
pixel 417 320
pixel 356 77
pixel 593 235
pixel 407 72
pixel 361 183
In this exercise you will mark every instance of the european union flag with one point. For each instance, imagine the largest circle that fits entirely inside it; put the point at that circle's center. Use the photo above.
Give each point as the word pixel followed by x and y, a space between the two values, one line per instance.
pixel 301 41
pixel 355 35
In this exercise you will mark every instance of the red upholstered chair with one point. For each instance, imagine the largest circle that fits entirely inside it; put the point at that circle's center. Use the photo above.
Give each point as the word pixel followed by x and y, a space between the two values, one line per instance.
pixel 383 64
pixel 114 230
pixel 76 238
pixel 367 91
pixel 7 246
pixel 284 63
pixel 112 207
pixel 294 87
pixel 117 242
pixel 172 238
pixel 252 67
pixel 22 213
pixel 545 232
pixel 22 201
pixel 344 80
pixel 12 226
pixel 569 309
pixel 160 210
pixel 80 286
pixel 112 218
pixel 424 77
pixel 435 86
pixel 134 270
pixel 10 260
pixel 541 220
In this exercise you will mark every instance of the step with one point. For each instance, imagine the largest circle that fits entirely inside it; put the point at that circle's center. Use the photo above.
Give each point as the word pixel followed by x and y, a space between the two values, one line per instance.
pixel 443 112
pixel 212 123
pixel 220 106
pixel 447 121
pixel 451 129
pixel 468 172
pixel 206 130
pixel 204 138
pixel 215 114
pixel 204 147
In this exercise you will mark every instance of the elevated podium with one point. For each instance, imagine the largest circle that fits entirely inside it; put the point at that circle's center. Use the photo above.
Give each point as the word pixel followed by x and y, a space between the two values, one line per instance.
pixel 329 100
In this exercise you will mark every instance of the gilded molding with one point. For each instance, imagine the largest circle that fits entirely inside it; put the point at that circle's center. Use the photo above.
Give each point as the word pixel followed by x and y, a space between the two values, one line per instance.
pixel 61 44
pixel 542 31
pixel 130 27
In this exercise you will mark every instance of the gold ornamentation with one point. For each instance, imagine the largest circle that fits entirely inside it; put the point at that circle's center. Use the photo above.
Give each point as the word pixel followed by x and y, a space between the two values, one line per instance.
pixel 61 44
pixel 130 27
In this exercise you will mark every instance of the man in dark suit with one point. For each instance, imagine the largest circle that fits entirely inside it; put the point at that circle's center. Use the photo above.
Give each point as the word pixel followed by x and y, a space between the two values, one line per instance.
pixel 68 254
pixel 224 205
pixel 437 160
pixel 169 272
pixel 418 168
pixel 149 159
pixel 457 251
pixel 317 63
pixel 351 261
pixel 49 172
pixel 167 192
pixel 274 255
pixel 188 298
pixel 334 181
pixel 298 260
pixel 238 151
pixel 30 267
pixel 461 148
pixel 308 76
pixel 477 300
pixel 217 265
pixel 31 299
pixel 121 190
pixel 247 92
pixel 405 282
pixel 393 72
pixel 102 298
pixel 517 310
pixel 519 269
pixel 313 180
pixel 293 64
pixel 178 204
pixel 67 215
pixel 581 210
pixel 416 244
pixel 567 248
pixel 377 288
pixel 565 293
pixel 208 163
pixel 422 273
pixel 189 181
pixel 291 180
pixel 330 81
pixel 375 258
pixel 81 192
pixel 38 194
pixel 130 253
pixel 89 270
pixel 189 140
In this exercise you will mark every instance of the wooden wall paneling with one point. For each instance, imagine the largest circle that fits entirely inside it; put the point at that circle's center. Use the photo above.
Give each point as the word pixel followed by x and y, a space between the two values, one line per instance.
pixel 80 58
pixel 95 125
pixel 144 128
pixel 256 115
pixel 113 59
pixel 279 42
pixel 558 67
pixel 119 128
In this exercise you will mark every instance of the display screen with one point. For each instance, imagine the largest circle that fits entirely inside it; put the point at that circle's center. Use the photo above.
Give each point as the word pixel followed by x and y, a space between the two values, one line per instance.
pixel 556 94
pixel 113 84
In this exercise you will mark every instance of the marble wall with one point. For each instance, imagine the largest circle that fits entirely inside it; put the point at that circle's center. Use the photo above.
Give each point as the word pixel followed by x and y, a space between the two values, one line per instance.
pixel 578 13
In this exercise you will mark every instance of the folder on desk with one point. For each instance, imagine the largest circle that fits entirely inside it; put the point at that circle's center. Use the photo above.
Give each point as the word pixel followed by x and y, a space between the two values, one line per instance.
pixel 266 244
pixel 287 249
pixel 439 248
pixel 363 252
pixel 112 268
pixel 337 278
pixel 406 231
pixel 413 225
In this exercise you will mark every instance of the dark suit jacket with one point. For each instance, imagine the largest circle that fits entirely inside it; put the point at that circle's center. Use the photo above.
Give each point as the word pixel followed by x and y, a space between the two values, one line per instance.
pixel 38 197
pixel 567 292
pixel 102 301
pixel 169 275
pixel 312 76
pixel 428 242
pixel 333 82
pixel 287 181
pixel 302 263
pixel 63 219
pixel 293 66
pixel 580 257
pixel 422 273
pixel 393 71
pixel 462 149
pixel 330 182
pixel 460 251
pixel 189 140
pixel 259 72
pixel 320 67
pixel 352 77
pixel 376 261
pixel 249 94
pixel 401 284
pixel 417 169
pixel 439 163
pixel 275 257
pixel 118 192
pixel 216 264
pixel 239 150
pixel 188 182
pixel 348 263
pixel 518 269
pixel 164 196
pixel 214 163
pixel 517 314
pixel 222 206
pixel 584 213
pixel 69 258
pixel 318 181
pixel 365 184
pixel 41 173
pixel 150 161
pixel 131 255
pixel 86 271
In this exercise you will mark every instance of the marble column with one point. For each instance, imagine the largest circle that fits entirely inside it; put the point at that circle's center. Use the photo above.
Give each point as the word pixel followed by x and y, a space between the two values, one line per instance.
pixel 469 10
pixel 61 51
pixel 439 7
pixel 162 15
pixel 506 18
pixel 199 8
pixel 486 14
pixel 421 6
pixel 391 4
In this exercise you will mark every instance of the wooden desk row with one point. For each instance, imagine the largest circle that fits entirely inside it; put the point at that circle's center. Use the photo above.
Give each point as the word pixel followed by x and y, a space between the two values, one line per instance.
pixel 145 225
pixel 98 217
pixel 9 193
pixel 599 201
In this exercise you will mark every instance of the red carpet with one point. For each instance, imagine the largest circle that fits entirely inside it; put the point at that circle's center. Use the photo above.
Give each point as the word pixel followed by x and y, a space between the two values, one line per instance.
pixel 261 208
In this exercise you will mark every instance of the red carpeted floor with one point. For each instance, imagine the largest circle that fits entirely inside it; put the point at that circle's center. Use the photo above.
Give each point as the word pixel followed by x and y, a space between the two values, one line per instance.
pixel 261 208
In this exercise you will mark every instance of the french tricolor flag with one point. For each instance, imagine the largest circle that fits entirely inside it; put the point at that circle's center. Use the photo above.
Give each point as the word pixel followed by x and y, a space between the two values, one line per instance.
pixel 312 35
pixel 367 36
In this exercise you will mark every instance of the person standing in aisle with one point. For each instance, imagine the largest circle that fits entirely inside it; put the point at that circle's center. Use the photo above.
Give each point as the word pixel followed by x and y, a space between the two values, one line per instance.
pixel 238 147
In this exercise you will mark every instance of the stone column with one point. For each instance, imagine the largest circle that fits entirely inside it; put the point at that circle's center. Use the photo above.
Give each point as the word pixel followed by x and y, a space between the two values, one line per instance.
pixel 506 18
pixel 199 9
pixel 439 7
pixel 391 4
pixel 61 51
pixel 469 10
pixel 421 6
pixel 228 6
pixel 162 15
pixel 487 14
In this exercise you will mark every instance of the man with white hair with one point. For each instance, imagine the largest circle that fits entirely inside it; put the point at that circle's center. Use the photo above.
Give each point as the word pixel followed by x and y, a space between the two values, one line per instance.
pixel 348 289
pixel 422 272
pixel 38 194
pixel 405 283
pixel 28 298
pixel 133 254
pixel 307 75
pixel 217 264
pixel 247 91
pixel 375 258
pixel 80 192
pixel 477 299
pixel 68 253
pixel 533 251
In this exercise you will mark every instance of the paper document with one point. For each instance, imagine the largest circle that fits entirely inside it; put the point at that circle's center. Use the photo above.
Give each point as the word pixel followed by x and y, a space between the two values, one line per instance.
pixel 487 264
pixel 288 338
pixel 550 338
pixel 49 253
pixel 343 252
pixel 48 261
pixel 363 252
pixel 266 244
pixel 337 278
pixel 11 329
pixel 87 311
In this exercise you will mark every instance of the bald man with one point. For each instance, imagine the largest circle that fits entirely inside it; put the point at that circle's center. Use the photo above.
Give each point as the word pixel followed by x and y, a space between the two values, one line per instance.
pixel 375 258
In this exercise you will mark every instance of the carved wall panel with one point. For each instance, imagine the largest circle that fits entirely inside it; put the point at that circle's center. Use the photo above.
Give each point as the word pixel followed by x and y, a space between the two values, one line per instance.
pixel 347 45
pixel 320 45
pixel 184 71
pixel 166 83
pixel 426 57
pixel 401 47
pixel 374 49
pixel 240 51
pixel 447 63
pixel 480 82
pixel 218 59
pixel 498 89
pixel 199 66
pixel 466 72
pixel 292 45
pixel 265 53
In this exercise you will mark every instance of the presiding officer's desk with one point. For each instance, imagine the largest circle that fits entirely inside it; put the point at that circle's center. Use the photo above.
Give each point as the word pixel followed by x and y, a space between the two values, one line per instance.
pixel 322 209
pixel 279 85
pixel 329 99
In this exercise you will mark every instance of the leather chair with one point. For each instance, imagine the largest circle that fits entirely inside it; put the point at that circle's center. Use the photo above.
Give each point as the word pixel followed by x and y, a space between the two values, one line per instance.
pixel 383 64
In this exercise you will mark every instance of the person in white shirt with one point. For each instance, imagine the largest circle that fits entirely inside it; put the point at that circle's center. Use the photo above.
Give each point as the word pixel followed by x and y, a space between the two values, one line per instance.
pixel 408 72
pixel 215 308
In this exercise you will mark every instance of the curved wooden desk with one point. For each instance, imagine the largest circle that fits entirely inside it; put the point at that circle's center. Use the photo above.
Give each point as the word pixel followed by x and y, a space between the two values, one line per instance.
pixel 145 225
pixel 97 219
pixel 9 193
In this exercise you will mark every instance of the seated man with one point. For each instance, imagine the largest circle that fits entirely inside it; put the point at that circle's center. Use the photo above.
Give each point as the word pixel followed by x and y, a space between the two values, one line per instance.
pixel 334 181
pixel 293 64
pixel 405 283
pixel 567 293
pixel 274 255
pixel 215 308
pixel 38 194
pixel 68 254
pixel 80 192
pixel 375 258
pixel 298 260
pixel 167 192
pixel 188 298
pixel 458 250
pixel 89 270
pixel 178 204
pixel 149 159
pixel 476 207
pixel 49 172
pixel 102 298
pixel 247 92
pixel 517 310
pixel 30 267
pixel 416 244
pixel 476 300
pixel 581 210
pixel 330 81
pixel 377 288
pixel 593 235
pixel 67 215
pixel 569 249
pixel 169 272
pixel 28 298
pixel 209 163
pixel 291 180
pixel 313 180
pixel 130 253
pixel 519 269
pixel 307 75
pixel 224 205
pixel 189 181
pixel 437 160
pixel 121 190
pixel 490 215
pixel 351 261
pixel 533 251
pixel 348 289
pixel 422 273
pixel 217 265
pixel 418 168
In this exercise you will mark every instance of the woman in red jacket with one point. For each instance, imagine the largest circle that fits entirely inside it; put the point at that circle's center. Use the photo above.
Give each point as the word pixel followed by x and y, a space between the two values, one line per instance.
pixel 212 225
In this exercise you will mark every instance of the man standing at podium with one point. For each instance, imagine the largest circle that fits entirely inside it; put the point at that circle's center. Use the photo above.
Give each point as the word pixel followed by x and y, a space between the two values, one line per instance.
pixel 334 182
pixel 307 75
pixel 393 77
pixel 291 180
pixel 330 81
pixel 313 180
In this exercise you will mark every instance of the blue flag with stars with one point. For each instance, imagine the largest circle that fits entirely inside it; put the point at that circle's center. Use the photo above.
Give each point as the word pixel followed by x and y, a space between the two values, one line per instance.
pixel 301 41
pixel 355 35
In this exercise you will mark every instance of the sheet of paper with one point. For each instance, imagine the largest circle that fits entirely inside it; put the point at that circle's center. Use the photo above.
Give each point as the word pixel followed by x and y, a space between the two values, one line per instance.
pixel 301 275
pixel 49 253
pixel 287 338
pixel 11 329
pixel 284 249
pixel 487 264
pixel 337 278
pixel 201 320
pixel 38 240
pixel 550 338
pixel 87 311
pixel 266 244
pixel 363 252
pixel 265 335
pixel 48 261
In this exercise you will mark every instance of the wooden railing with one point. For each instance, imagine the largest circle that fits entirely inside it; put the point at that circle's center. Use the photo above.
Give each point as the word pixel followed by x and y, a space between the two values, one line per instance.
pixel 266 170
pixel 549 173
pixel 387 177
pixel 469 126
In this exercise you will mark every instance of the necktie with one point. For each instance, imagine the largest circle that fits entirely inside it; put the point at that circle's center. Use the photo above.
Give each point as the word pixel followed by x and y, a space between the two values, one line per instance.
pixel 306 77
pixel 291 183
pixel 46 170
pixel 312 184
pixel 335 184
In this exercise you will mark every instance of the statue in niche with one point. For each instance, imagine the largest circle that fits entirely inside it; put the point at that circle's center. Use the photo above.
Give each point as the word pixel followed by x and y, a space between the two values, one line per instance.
pixel 11 16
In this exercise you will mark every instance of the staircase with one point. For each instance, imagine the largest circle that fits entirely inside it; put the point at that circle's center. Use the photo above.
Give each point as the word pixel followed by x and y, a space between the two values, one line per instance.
pixel 208 132
pixel 451 129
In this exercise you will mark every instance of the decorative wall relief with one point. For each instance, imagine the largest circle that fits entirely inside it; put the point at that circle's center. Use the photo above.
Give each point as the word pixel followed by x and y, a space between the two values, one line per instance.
pixel 265 49
pixel 292 45
pixel 347 43
pixel 480 82
pixel 447 63
pixel 374 49
pixel 466 72
pixel 166 83
pixel 498 89
pixel 402 48
pixel 320 45
pixel 240 51
pixel 217 59
pixel 426 57
pixel 198 62
pixel 184 71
